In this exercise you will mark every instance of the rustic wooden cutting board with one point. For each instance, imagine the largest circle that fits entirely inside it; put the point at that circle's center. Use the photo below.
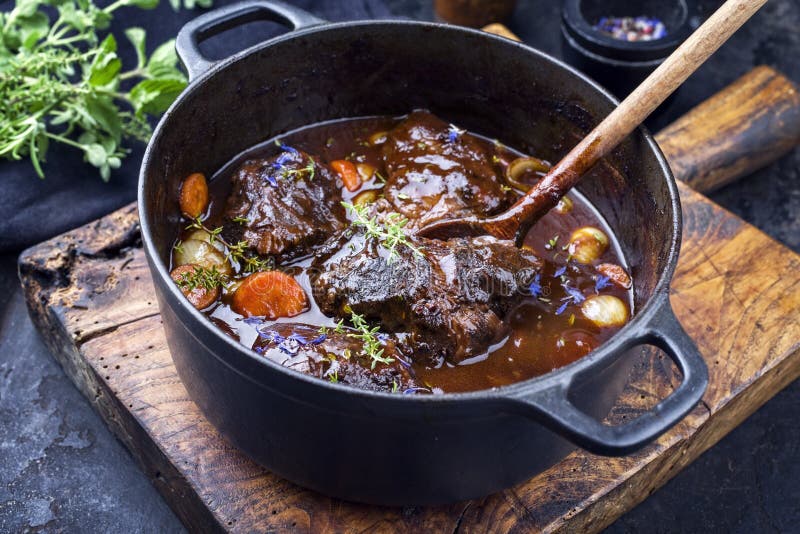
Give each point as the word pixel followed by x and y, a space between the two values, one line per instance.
pixel 736 291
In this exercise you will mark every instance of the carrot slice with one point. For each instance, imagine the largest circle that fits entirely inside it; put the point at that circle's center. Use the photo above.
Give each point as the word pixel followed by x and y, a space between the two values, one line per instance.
pixel 348 172
pixel 270 293
pixel 194 195
pixel 200 297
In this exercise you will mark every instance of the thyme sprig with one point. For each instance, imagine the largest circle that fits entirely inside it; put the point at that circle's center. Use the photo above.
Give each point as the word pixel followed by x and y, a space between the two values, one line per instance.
pixel 202 278
pixel 62 81
pixel 234 252
pixel 372 345
pixel 308 170
pixel 390 232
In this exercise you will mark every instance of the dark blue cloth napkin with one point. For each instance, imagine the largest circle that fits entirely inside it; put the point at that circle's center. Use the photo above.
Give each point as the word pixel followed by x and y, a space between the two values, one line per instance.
pixel 72 193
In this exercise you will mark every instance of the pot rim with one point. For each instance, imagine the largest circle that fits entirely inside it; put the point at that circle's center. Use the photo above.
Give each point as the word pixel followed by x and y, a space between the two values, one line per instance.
pixel 598 358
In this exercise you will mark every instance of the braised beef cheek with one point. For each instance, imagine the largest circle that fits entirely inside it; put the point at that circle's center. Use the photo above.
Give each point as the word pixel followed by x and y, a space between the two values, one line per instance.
pixel 451 297
pixel 436 171
pixel 285 205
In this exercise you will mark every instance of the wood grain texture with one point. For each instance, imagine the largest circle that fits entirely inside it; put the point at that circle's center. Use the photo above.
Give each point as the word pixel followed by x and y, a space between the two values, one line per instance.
pixel 747 125
pixel 89 292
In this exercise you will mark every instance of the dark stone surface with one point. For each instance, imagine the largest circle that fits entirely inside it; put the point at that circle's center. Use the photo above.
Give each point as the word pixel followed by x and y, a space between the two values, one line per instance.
pixel 62 470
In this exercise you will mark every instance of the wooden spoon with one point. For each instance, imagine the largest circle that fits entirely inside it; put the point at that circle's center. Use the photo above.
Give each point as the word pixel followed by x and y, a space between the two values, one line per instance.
pixel 515 222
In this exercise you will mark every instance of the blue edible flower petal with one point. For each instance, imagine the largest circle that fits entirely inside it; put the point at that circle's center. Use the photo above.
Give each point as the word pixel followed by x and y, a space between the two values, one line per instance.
pixel 272 181
pixel 289 346
pixel 574 293
pixel 271 335
pixel 452 133
pixel 298 338
pixel 287 148
pixel 560 271
pixel 536 287
pixel 563 307
pixel 319 339
pixel 601 282
pixel 253 320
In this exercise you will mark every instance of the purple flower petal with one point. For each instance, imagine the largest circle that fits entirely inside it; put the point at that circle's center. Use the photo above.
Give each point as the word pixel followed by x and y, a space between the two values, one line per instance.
pixel 271 335
pixel 319 339
pixel 563 307
pixel 298 338
pixel 560 271
pixel 412 391
pixel 452 133
pixel 536 287
pixel 287 148
pixel 574 293
pixel 601 282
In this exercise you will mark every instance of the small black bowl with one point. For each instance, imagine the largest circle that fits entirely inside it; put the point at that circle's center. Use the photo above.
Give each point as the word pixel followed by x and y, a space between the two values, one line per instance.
pixel 622 65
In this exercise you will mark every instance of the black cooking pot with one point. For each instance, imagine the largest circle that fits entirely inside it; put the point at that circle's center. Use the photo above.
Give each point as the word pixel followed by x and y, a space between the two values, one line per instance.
pixel 387 448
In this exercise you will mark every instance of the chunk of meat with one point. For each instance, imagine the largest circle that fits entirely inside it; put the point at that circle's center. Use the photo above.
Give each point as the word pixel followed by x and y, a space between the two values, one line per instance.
pixel 284 206
pixel 435 172
pixel 333 356
pixel 451 298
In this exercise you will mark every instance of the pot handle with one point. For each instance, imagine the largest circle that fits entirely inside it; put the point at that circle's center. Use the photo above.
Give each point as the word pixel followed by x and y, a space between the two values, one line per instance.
pixel 225 18
pixel 554 408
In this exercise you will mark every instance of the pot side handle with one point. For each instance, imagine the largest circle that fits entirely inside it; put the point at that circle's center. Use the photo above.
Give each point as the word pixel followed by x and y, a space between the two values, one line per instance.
pixel 187 43
pixel 555 410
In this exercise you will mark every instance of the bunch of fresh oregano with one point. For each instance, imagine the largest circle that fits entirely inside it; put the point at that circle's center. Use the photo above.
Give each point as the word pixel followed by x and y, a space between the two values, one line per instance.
pixel 62 81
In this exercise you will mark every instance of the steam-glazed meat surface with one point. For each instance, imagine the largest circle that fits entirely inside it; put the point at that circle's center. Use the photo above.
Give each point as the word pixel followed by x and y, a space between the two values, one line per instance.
pixel 305 251
pixel 285 205
pixel 436 171
pixel 452 297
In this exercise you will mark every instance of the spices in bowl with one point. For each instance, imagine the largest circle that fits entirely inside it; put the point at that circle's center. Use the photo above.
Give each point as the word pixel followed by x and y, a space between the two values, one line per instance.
pixel 641 28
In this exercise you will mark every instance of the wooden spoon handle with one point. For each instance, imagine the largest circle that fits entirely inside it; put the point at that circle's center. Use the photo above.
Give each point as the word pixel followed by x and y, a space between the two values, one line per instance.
pixel 625 118
pixel 742 128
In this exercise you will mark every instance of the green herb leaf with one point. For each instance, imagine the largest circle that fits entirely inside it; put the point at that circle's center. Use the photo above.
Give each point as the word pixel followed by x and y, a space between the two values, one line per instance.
pixel 390 233
pixel 163 63
pixel 137 38
pixel 106 64
pixel 155 96
pixel 61 80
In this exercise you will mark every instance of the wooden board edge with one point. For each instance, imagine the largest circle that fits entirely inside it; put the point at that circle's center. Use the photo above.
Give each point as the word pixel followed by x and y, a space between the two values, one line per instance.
pixel 176 490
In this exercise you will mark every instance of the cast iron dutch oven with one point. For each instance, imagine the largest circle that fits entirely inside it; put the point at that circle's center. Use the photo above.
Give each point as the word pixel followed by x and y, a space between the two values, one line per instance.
pixel 401 449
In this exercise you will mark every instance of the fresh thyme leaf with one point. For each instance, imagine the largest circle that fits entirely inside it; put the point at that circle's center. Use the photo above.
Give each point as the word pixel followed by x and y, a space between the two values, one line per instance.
pixel 308 170
pixel 241 220
pixel 234 252
pixel 390 233
pixel 372 345
pixel 202 277
pixel 62 80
